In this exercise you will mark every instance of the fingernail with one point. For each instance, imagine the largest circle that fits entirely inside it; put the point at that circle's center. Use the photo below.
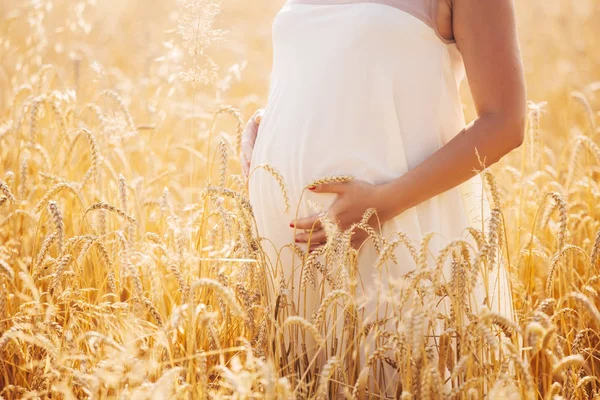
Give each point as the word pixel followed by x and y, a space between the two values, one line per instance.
pixel 297 241
pixel 311 187
pixel 291 225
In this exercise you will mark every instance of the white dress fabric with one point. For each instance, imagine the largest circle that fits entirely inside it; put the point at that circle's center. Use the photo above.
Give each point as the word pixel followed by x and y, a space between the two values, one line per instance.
pixel 368 89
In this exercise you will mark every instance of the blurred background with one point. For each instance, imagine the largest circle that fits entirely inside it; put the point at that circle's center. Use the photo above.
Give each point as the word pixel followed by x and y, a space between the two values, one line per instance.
pixel 123 109
pixel 135 45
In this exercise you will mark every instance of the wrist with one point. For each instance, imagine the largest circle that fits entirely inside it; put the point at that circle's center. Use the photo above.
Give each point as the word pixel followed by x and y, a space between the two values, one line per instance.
pixel 387 202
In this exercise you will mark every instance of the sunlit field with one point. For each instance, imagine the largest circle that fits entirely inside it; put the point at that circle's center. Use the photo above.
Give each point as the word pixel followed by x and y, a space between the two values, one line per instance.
pixel 130 265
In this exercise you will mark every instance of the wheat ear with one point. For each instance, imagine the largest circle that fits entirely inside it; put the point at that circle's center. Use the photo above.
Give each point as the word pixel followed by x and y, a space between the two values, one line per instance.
pixel 280 181
pixel 331 179
pixel 574 361
pixel 111 208
pixel 53 191
pixel 5 189
pixel 225 293
pixel 296 320
pixel 328 370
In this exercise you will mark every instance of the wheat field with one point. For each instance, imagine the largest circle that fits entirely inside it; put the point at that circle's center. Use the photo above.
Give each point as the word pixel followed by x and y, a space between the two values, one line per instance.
pixel 130 267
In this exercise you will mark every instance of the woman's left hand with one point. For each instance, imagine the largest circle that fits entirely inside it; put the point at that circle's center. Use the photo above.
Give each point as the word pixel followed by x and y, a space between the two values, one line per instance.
pixel 353 199
pixel 248 140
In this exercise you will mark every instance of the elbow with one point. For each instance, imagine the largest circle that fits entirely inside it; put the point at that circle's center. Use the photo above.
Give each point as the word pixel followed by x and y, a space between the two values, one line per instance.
pixel 514 129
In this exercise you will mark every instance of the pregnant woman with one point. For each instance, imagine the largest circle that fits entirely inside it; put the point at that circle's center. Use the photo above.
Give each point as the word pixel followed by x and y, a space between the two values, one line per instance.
pixel 370 89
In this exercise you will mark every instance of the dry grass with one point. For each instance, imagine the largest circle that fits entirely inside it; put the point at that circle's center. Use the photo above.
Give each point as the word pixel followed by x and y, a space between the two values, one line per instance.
pixel 129 261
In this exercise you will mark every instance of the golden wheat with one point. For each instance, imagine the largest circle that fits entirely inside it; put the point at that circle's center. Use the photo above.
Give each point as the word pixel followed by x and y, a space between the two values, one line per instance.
pixel 174 297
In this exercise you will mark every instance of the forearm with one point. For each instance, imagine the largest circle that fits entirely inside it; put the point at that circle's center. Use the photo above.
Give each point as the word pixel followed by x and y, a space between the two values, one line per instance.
pixel 486 140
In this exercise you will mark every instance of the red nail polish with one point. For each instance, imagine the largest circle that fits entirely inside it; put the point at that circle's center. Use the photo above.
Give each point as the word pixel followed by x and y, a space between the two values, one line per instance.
pixel 291 225
pixel 311 187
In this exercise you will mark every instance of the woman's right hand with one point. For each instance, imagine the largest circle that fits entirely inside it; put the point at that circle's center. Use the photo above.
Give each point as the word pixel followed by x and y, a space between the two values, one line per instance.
pixel 248 139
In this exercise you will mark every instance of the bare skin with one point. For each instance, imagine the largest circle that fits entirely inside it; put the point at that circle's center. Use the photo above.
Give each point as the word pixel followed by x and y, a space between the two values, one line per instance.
pixel 444 19
pixel 249 139
pixel 486 35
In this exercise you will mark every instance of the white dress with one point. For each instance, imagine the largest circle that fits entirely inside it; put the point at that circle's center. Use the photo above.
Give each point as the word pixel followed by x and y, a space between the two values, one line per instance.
pixel 365 89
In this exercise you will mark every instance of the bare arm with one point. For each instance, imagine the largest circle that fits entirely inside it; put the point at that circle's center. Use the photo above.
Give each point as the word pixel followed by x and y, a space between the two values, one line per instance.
pixel 486 34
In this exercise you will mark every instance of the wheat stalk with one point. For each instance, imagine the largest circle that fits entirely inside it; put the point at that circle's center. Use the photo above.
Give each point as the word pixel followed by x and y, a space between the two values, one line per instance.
pixel 574 361
pixel 330 179
pixel 595 251
pixel 6 270
pixel 123 192
pixel 224 161
pixel 92 172
pixel 110 275
pixel 328 370
pixel 280 181
pixel 224 293
pixel 330 298
pixel 431 384
pixel 122 107
pixel 295 320
pixel 5 189
pixel 586 304
pixel 153 311
pixel 58 223
pixel 558 257
pixel 53 191
pixel 23 189
pixel 112 209
pixel 62 264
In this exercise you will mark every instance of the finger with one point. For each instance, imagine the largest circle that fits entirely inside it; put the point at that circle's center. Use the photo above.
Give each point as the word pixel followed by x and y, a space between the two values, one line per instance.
pixel 357 244
pixel 248 140
pixel 245 157
pixel 316 237
pixel 313 222
pixel 315 246
pixel 329 187
pixel 257 117
pixel 251 128
pixel 245 166
pixel 250 132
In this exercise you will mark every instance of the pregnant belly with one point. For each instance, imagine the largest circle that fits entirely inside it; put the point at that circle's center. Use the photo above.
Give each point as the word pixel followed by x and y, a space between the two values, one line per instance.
pixel 310 145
